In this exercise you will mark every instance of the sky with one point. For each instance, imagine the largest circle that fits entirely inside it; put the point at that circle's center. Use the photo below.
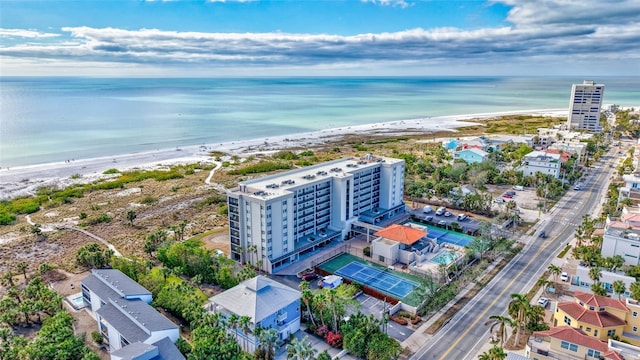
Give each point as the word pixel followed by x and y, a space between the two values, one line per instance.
pixel 319 38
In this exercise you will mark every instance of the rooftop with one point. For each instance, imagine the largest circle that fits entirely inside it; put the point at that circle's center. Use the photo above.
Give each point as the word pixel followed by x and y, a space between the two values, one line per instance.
pixel 257 298
pixel 402 234
pixel 113 284
pixel 134 319
pixel 600 319
pixel 599 301
pixel 276 185
pixel 575 336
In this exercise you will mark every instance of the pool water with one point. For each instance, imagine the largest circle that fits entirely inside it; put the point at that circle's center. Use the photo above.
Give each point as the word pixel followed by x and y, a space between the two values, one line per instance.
pixel 444 258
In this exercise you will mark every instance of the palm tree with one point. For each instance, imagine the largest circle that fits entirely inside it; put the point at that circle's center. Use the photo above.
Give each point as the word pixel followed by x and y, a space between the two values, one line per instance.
pixel 517 309
pixel 301 349
pixel 22 267
pixel 554 270
pixel 269 342
pixel 634 288
pixel 595 274
pixel 245 325
pixel 619 287
pixel 232 323
pixel 502 322
pixel 495 353
pixel 307 297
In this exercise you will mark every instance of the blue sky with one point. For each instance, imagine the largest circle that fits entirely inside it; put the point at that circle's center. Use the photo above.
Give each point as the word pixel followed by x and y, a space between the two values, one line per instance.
pixel 316 38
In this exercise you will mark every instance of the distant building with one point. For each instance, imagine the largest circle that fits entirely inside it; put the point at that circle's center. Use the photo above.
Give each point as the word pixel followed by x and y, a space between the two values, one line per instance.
pixel 543 162
pixel 584 107
pixel 274 220
pixel 607 279
pixel 471 155
pixel 268 304
pixel 131 327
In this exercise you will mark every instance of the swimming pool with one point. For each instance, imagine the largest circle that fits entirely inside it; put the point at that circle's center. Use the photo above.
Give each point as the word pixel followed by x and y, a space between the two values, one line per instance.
pixel 444 258
pixel 76 301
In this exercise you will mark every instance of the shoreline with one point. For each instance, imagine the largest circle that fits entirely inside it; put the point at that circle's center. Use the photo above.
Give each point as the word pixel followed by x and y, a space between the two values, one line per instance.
pixel 25 180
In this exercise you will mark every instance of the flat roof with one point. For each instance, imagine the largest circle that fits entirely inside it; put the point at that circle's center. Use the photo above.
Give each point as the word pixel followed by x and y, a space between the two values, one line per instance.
pixel 273 186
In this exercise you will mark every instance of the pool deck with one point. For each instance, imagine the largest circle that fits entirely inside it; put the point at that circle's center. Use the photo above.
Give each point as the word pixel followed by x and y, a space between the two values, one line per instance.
pixel 430 266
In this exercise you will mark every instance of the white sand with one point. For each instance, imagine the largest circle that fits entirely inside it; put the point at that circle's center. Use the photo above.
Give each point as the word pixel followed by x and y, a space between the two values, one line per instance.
pixel 25 180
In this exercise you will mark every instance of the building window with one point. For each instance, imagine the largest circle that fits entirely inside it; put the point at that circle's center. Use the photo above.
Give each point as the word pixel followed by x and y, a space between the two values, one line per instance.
pixel 611 332
pixel 635 329
pixel 588 329
pixel 593 353
pixel 569 346
pixel 635 314
pixel 595 332
pixel 567 320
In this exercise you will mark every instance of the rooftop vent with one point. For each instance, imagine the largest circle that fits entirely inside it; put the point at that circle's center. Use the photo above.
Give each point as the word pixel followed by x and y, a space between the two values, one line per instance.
pixel 288 182
pixel 273 186
pixel 336 169
pixel 260 193
pixel 308 177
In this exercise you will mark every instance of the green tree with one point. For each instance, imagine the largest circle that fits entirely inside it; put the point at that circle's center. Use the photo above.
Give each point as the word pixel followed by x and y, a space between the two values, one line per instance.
pixel 324 355
pixel 518 308
pixel 22 267
pixel 554 270
pixel 131 215
pixel 495 353
pixel 598 289
pixel 634 288
pixel 301 349
pixel 619 288
pixel 268 343
pixel 502 323
pixel 56 340
pixel 93 256
pixel 383 347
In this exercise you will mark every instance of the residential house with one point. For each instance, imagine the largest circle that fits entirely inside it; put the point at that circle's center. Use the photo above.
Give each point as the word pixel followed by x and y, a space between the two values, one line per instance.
pixel 601 317
pixel 607 278
pixel 542 162
pixel 450 144
pixel 162 349
pixel 268 304
pixel 622 236
pixel 471 155
pixel 566 342
pixel 631 188
pixel 121 308
pixel 274 220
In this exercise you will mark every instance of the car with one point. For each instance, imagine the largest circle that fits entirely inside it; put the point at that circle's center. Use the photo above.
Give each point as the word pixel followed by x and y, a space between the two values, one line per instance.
pixel 462 217
pixel 542 235
pixel 510 192
pixel 428 218
pixel 427 209
pixel 577 187
pixel 507 196
pixel 564 276
pixel 447 214
pixel 518 187
pixel 441 210
pixel 500 201
pixel 543 302
pixel 442 223
pixel 309 276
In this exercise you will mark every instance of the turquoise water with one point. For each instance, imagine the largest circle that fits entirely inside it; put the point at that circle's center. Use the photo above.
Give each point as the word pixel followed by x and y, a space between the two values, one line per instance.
pixel 444 258
pixel 47 119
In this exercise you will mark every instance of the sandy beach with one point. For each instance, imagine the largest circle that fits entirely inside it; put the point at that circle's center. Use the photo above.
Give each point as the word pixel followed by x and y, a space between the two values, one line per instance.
pixel 24 180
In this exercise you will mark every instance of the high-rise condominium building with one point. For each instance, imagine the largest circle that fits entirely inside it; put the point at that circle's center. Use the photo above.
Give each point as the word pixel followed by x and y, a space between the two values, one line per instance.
pixel 274 220
pixel 584 108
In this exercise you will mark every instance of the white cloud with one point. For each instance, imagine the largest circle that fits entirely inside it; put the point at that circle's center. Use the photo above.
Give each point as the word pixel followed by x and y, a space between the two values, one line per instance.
pixel 22 33
pixel 549 33
pixel 398 3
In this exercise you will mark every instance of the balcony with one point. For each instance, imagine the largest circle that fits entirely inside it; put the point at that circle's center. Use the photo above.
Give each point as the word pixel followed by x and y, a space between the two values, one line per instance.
pixel 282 317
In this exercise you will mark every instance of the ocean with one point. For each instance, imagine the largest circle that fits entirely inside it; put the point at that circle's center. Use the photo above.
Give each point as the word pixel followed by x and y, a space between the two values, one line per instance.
pixel 51 119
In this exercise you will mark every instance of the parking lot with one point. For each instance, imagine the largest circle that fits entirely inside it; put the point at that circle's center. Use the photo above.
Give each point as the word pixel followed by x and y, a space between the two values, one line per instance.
pixel 468 224
pixel 371 305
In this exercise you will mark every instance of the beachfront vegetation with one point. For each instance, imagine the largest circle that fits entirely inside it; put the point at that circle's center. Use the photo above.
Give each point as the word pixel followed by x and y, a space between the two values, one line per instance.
pixel 261 167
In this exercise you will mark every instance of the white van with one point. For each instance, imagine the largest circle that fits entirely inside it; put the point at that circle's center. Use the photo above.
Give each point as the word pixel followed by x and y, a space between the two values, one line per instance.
pixel 427 209
pixel 518 187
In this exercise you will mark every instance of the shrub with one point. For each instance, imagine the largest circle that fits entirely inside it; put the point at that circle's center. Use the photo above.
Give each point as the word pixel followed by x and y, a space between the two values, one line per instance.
pixel 367 251
pixel 148 200
pixel 7 218
pixel 111 171
pixel 334 339
pixel 97 337
pixel 306 153
pixel 261 167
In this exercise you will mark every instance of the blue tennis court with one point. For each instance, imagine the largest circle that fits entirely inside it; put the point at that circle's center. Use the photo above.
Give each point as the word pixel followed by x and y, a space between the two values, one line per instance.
pixel 378 279
pixel 451 237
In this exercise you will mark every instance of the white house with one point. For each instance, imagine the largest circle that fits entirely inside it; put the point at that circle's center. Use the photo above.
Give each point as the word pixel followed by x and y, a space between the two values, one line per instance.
pixel 267 303
pixel 121 308
pixel 583 280
pixel 543 162
pixel 622 237
pixel 399 243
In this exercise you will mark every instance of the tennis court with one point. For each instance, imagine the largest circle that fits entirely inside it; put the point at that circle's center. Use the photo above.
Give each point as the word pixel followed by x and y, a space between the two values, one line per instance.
pixel 451 237
pixel 377 279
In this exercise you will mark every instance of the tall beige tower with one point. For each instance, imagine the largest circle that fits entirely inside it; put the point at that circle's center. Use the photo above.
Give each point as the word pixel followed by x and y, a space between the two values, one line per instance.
pixel 584 107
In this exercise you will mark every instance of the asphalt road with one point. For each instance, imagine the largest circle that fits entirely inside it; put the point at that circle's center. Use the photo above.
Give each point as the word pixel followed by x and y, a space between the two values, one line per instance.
pixel 466 332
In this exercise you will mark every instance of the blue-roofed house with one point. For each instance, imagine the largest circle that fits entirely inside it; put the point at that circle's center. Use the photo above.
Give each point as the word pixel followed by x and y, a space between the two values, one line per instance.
pixel 268 303
pixel 131 327
pixel 450 144
pixel 471 155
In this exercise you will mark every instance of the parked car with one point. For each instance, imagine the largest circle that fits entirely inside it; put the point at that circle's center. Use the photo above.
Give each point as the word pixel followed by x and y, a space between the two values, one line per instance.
pixel 441 210
pixel 309 276
pixel 442 222
pixel 500 201
pixel 507 196
pixel 518 187
pixel 577 187
pixel 510 192
pixel 543 302
pixel 427 209
pixel 462 217
pixel 428 218
pixel 447 214
pixel 564 276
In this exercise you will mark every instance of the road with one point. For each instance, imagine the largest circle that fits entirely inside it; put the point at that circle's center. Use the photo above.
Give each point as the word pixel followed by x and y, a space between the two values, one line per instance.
pixel 466 332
